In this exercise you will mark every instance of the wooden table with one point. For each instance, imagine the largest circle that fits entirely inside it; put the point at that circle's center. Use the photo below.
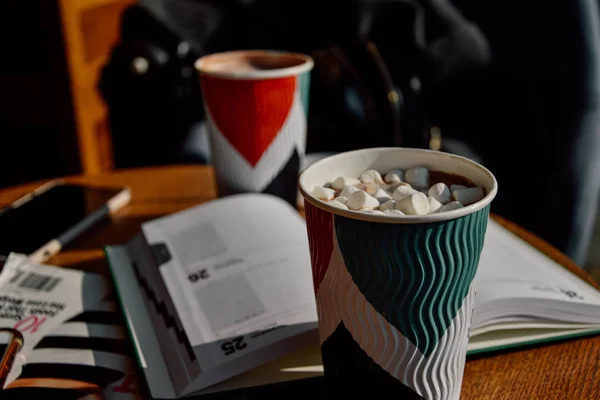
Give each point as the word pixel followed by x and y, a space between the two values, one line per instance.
pixel 569 370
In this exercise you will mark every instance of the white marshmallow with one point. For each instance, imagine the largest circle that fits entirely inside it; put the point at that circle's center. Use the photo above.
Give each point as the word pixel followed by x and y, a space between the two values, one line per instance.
pixel 341 199
pixel 382 196
pixel 468 196
pixel 417 176
pixel 453 205
pixel 322 193
pixel 395 175
pixel 373 212
pixel 440 192
pixel 362 201
pixel 402 191
pixel 456 187
pixel 348 190
pixel 337 204
pixel 390 188
pixel 370 188
pixel 434 205
pixel 371 176
pixel 414 204
pixel 393 212
pixel 388 205
pixel 341 182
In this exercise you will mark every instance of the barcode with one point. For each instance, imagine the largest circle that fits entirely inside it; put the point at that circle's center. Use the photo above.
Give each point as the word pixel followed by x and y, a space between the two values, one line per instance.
pixel 35 281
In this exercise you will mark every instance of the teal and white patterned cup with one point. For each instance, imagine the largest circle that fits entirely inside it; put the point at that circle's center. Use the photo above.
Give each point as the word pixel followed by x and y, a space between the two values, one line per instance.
pixel 394 294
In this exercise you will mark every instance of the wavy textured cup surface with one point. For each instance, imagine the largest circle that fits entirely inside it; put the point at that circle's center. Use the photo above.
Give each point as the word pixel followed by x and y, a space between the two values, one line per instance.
pixel 256 105
pixel 394 295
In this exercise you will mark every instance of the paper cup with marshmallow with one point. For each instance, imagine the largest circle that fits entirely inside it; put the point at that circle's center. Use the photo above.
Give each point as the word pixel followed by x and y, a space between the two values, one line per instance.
pixel 394 293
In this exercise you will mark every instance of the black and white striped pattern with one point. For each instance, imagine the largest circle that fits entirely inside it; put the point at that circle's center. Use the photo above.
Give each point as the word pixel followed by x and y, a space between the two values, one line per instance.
pixel 91 347
pixel 35 281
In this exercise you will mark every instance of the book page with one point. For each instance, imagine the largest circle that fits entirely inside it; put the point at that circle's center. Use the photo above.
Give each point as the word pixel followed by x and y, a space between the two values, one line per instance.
pixel 69 327
pixel 35 299
pixel 91 348
pixel 519 336
pixel 511 268
pixel 238 271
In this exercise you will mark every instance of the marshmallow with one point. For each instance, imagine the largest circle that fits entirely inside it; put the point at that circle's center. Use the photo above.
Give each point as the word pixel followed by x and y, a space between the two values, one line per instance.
pixel 440 192
pixel 402 191
pixel 391 187
pixel 453 205
pixel 341 182
pixel 370 188
pixel 456 187
pixel 393 212
pixel 341 199
pixel 395 175
pixel 348 190
pixel 434 205
pixel 382 196
pixel 414 204
pixel 371 176
pixel 373 212
pixel 361 200
pixel 468 196
pixel 388 205
pixel 417 176
pixel 322 193
pixel 337 204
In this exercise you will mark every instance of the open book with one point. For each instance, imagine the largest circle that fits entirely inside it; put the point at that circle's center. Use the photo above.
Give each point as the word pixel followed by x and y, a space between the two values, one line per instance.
pixel 219 297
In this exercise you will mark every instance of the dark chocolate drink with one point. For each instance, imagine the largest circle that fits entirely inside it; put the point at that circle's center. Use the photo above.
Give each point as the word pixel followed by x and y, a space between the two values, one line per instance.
pixel 448 179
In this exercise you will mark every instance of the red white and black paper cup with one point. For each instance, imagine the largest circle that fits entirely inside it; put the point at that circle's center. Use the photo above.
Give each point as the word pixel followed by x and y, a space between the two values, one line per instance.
pixel 256 119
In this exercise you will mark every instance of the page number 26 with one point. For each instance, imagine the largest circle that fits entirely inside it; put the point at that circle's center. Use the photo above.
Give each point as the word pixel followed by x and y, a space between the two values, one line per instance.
pixel 233 345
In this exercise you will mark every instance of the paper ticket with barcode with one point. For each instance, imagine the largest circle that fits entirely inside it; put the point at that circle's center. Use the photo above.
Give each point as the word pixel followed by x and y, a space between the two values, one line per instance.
pixel 35 299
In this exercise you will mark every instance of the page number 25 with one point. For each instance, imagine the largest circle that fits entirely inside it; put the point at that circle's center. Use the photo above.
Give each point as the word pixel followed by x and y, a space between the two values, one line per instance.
pixel 233 345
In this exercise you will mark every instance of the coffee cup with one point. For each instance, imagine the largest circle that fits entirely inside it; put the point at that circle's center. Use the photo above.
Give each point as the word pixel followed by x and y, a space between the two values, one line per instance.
pixel 256 105
pixel 394 294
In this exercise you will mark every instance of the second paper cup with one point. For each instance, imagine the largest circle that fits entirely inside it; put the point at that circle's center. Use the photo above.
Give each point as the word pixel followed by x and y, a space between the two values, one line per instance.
pixel 394 294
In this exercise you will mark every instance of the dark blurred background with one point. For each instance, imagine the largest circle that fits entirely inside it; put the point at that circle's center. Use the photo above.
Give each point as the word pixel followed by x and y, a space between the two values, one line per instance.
pixel 89 86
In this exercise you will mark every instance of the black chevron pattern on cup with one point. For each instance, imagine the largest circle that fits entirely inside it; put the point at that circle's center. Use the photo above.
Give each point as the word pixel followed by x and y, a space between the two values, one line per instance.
pixel 285 183
pixel 351 373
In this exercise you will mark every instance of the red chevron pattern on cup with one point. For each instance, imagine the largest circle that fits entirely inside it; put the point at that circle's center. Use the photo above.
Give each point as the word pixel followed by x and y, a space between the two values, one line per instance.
pixel 255 131
pixel 320 240
pixel 249 113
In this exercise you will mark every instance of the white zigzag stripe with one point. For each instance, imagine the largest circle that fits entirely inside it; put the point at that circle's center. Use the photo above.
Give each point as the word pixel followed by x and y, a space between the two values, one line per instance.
pixel 438 376
pixel 235 171
pixel 328 311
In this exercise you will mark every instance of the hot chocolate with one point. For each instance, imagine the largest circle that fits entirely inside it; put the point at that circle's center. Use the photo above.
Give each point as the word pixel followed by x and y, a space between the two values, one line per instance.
pixel 250 62
pixel 416 191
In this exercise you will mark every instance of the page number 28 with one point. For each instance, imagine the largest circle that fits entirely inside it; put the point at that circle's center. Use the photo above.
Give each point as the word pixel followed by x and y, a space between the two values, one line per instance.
pixel 233 345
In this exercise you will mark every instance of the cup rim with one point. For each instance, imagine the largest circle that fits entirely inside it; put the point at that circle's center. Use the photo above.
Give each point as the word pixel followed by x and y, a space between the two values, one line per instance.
pixel 406 219
pixel 306 64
